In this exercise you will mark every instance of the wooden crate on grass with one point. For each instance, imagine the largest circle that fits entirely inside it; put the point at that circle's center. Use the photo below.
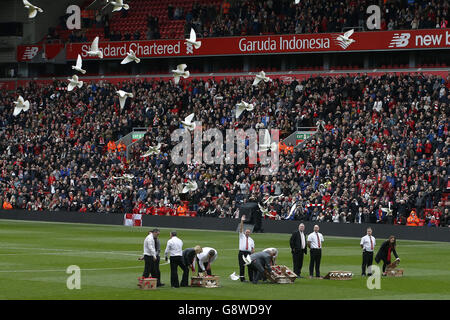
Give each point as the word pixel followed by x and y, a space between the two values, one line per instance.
pixel 392 271
pixel 281 274
pixel 205 281
pixel 147 283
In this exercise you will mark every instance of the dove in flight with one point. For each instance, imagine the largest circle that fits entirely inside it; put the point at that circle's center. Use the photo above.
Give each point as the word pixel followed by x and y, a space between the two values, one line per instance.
pixel 187 123
pixel 240 107
pixel 74 82
pixel 123 97
pixel 152 150
pixel 266 143
pixel 21 105
pixel 296 1
pixel 292 210
pixel 193 40
pixel 247 260
pixel 32 9
pixel 270 199
pixel 260 76
pixel 78 65
pixel 264 211
pixel 118 5
pixel 131 56
pixel 179 72
pixel 94 51
pixel 189 186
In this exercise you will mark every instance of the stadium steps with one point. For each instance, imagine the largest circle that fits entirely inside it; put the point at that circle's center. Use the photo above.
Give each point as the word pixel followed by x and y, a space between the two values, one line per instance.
pixel 132 138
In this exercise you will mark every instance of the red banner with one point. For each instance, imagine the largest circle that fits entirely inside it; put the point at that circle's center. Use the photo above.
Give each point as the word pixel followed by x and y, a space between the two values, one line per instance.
pixel 52 50
pixel 294 43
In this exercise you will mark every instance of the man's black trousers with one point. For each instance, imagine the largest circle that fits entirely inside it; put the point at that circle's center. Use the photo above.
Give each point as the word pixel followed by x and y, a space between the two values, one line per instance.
pixel 176 262
pixel 367 261
pixel 242 266
pixel 314 263
pixel 297 259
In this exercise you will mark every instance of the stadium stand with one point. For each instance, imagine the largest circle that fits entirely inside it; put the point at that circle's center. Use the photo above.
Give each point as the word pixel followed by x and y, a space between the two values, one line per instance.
pixel 382 142
pixel 160 19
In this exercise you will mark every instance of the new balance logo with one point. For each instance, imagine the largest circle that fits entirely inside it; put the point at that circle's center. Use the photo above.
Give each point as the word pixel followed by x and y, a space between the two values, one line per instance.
pixel 30 53
pixel 400 40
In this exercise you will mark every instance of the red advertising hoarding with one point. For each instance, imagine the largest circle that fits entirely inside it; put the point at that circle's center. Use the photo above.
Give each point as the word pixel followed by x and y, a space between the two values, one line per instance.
pixel 271 44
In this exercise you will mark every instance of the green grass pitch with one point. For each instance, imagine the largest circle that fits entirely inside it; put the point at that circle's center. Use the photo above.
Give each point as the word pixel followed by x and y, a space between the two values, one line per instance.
pixel 34 257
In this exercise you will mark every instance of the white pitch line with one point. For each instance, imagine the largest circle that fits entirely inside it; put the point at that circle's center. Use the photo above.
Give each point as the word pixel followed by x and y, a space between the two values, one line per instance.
pixel 88 269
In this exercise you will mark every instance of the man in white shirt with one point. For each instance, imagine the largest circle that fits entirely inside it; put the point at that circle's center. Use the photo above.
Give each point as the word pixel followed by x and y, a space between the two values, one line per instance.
pixel 368 245
pixel 205 258
pixel 149 256
pixel 315 240
pixel 298 248
pixel 174 249
pixel 246 247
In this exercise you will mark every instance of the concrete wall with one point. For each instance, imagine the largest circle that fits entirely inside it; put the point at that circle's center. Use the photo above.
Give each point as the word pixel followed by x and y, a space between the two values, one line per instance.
pixel 269 226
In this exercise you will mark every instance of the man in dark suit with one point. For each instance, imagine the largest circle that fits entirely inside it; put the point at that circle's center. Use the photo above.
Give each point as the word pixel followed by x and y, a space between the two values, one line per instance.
pixel 259 262
pixel 298 248
pixel 189 256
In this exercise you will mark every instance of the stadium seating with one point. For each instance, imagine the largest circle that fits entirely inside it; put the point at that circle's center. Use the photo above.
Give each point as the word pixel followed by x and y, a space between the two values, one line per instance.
pixel 54 156
pixel 237 22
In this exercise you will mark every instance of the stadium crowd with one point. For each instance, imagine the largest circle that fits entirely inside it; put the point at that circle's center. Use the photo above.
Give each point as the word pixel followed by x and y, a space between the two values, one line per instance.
pixel 242 17
pixel 236 18
pixel 382 143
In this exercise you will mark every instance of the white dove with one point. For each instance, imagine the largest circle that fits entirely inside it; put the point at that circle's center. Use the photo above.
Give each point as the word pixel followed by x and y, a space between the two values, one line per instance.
pixel 270 199
pixel 179 72
pixel 240 107
pixel 344 40
pixel 260 76
pixel 264 211
pixel 21 105
pixel 123 97
pixel 125 176
pixel 118 5
pixel 32 9
pixel 131 56
pixel 78 65
pixel 187 123
pixel 74 82
pixel 94 51
pixel 292 210
pixel 152 150
pixel 296 1
pixel 193 40
pixel 189 186
pixel 234 276
pixel 266 143
pixel 247 260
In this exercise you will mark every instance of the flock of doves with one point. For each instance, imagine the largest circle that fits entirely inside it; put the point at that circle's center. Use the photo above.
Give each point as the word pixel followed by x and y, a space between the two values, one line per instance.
pixel 180 71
